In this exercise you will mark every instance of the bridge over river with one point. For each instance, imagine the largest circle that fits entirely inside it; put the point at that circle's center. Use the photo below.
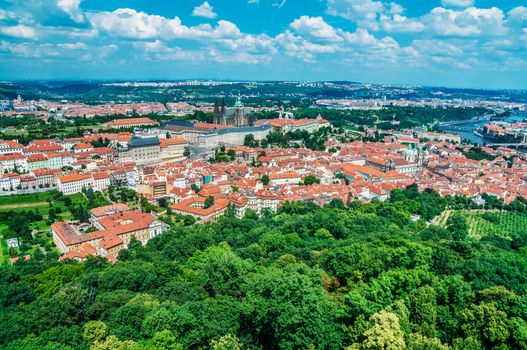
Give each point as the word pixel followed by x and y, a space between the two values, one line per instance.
pixel 453 128
pixel 508 145
pixel 486 117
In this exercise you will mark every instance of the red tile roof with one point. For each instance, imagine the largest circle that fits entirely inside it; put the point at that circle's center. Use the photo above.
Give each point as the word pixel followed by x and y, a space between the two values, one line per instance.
pixel 131 121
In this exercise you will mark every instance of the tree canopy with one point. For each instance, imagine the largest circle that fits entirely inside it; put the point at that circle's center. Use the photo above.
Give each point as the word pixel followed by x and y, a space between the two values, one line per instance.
pixel 343 276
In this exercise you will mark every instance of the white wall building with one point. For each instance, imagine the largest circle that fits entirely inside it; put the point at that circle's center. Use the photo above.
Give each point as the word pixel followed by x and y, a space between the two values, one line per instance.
pixel 13 161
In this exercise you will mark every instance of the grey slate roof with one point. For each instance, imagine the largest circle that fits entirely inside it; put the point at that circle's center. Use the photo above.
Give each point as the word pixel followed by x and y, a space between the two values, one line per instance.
pixel 243 129
pixel 143 141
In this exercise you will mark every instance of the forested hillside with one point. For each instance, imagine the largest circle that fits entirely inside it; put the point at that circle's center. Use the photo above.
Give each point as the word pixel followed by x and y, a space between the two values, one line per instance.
pixel 372 276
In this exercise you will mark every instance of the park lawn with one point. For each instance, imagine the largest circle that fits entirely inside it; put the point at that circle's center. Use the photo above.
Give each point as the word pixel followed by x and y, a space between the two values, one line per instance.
pixel 15 132
pixel 39 199
pixel 100 200
pixel 506 225
pixel 42 225
pixel 77 198
pixel 25 198
pixel 503 224
pixel 350 128
pixel 83 127
pixel 37 202
pixel 41 206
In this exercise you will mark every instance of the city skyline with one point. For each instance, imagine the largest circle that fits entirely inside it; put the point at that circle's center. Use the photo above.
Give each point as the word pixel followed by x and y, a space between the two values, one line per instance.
pixel 456 43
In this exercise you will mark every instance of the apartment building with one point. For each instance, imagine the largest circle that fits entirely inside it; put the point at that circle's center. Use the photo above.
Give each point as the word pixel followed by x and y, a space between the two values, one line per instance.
pixel 74 183
pixel 173 148
pixel 130 123
pixel 195 207
pixel 116 226
pixel 13 161
pixel 141 150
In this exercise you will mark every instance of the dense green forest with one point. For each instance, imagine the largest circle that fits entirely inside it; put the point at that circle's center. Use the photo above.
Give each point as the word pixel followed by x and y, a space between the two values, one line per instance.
pixel 357 276
pixel 405 117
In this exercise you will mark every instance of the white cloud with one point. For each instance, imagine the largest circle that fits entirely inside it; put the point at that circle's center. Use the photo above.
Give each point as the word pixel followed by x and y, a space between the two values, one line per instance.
pixel 361 37
pixel 129 23
pixel 204 10
pixel 60 13
pixel 254 44
pixel 314 28
pixel 436 48
pixel 457 3
pixel 19 31
pixel 463 21
pixel 455 37
pixel 70 32
pixel 58 52
pixel 223 40
pixel 364 12
pixel 297 46
pixel 400 24
pixel 312 37
pixel 29 49
pixel 468 22
pixel 395 9
pixel 72 9
pixel 375 15
pixel 74 46
pixel 158 51
pixel 518 16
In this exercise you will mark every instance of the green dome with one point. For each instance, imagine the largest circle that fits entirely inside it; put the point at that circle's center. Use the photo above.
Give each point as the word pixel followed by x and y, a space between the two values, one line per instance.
pixel 238 102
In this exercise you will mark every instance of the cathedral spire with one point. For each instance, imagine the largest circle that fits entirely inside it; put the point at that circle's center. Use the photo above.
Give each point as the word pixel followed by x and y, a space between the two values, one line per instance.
pixel 238 101
pixel 223 113
pixel 216 107
pixel 216 113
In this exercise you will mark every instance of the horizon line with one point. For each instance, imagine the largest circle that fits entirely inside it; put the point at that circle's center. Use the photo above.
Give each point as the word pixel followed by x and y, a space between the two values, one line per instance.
pixel 153 80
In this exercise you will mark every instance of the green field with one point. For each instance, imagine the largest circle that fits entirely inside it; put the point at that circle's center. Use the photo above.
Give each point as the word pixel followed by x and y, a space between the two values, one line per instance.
pixel 15 132
pixel 83 127
pixel 482 223
pixel 504 224
pixel 24 198
pixel 38 203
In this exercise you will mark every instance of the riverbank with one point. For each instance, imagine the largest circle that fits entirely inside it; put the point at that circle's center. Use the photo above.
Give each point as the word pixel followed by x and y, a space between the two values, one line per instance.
pixel 468 130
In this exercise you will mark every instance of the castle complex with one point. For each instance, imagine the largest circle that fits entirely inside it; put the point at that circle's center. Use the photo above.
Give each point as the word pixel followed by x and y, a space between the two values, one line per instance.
pixel 235 116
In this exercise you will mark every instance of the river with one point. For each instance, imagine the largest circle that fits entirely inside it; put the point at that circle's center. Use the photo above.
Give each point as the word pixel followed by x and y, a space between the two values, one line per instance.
pixel 468 134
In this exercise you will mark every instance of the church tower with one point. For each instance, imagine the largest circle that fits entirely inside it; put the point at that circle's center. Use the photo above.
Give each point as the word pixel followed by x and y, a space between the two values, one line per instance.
pixel 234 116
pixel 239 113
pixel 223 112
pixel 216 113
pixel 281 113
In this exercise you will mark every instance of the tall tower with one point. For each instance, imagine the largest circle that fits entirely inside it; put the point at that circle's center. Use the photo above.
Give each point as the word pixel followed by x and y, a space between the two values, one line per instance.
pixel 281 113
pixel 239 113
pixel 216 113
pixel 223 113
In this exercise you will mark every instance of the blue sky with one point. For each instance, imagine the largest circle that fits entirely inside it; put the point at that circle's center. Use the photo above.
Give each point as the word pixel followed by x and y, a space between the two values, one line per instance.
pixel 464 43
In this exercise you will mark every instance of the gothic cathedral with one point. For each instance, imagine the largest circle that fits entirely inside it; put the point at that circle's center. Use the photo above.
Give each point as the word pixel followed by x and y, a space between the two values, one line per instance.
pixel 235 116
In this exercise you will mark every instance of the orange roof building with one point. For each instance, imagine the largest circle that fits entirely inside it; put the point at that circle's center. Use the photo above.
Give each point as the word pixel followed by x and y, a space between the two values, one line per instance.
pixel 130 123
pixel 115 230
pixel 195 207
